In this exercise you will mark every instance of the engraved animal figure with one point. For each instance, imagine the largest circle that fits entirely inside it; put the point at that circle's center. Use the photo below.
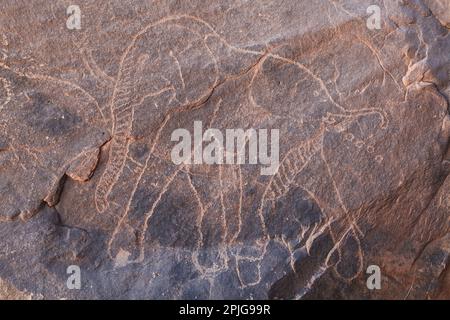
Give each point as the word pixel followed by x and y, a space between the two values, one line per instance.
pixel 152 76
pixel 341 228
pixel 148 69
pixel 132 89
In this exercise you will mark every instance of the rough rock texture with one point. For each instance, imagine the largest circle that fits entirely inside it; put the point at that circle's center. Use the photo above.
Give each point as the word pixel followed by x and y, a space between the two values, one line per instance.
pixel 86 176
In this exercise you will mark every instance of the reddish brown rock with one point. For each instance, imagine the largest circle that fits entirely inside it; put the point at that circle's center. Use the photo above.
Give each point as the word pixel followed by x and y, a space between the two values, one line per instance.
pixel 87 177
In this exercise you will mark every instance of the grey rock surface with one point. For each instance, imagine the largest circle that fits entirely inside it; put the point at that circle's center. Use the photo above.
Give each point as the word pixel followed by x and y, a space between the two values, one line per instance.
pixel 87 178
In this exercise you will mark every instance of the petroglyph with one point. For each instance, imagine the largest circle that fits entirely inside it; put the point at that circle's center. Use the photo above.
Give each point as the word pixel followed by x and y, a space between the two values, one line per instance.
pixel 7 95
pixel 86 118
pixel 44 119
pixel 131 227
pixel 126 93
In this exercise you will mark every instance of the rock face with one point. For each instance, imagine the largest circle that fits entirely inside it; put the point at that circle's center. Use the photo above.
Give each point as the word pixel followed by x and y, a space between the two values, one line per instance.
pixel 87 176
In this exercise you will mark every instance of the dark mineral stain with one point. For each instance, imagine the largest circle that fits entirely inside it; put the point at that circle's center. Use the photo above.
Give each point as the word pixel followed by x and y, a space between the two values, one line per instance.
pixel 46 117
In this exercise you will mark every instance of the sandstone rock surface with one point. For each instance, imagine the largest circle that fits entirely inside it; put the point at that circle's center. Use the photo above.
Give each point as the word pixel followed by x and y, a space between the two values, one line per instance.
pixel 87 178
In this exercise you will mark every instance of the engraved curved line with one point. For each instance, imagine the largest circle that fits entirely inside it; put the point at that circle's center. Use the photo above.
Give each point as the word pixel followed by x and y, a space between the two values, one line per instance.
pixel 292 164
pixel 133 192
pixel 298 157
pixel 9 93
pixel 380 61
pixel 36 76
pixel 99 75
pixel 258 261
pixel 149 214
pixel 121 113
pixel 109 177
pixel 195 254
pixel 337 248
pixel 180 73
pixel 221 196
pixel 196 104
pixel 327 225
pixel 241 195
pixel 348 216
pixel 262 54
pixel 354 229
pixel 117 158
pixel 95 70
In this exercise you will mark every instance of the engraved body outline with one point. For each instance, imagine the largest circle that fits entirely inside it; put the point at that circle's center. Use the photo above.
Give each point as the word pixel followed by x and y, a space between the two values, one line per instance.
pixel 308 149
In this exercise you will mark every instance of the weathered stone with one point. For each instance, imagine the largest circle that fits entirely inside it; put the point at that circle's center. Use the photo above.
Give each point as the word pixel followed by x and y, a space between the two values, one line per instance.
pixel 87 179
